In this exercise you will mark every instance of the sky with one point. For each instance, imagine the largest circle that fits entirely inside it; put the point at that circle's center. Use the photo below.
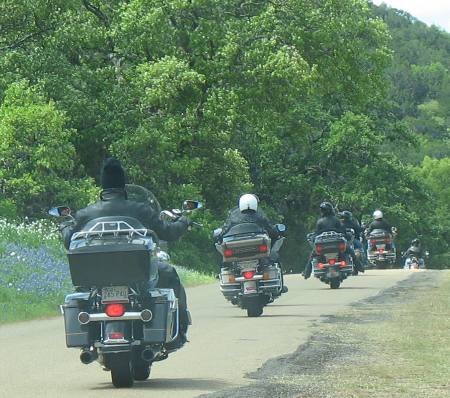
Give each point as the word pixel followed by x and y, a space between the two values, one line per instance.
pixel 432 12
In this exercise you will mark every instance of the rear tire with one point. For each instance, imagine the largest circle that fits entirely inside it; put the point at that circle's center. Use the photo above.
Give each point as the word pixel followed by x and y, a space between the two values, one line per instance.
pixel 335 283
pixel 121 370
pixel 254 307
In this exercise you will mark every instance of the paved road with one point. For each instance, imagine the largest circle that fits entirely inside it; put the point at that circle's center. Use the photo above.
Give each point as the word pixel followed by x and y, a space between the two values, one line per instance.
pixel 224 346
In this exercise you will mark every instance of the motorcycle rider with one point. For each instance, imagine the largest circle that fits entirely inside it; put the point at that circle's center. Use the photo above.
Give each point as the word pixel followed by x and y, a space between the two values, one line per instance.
pixel 379 223
pixel 249 211
pixel 114 202
pixel 414 250
pixel 348 222
pixel 326 223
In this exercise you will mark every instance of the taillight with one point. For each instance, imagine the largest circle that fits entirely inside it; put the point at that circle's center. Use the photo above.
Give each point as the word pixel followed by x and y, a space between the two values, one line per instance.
pixel 228 253
pixel 319 249
pixel 114 310
pixel 332 261
pixel 380 250
pixel 116 336
pixel 248 274
pixel 263 248
pixel 343 264
pixel 321 265
pixel 342 246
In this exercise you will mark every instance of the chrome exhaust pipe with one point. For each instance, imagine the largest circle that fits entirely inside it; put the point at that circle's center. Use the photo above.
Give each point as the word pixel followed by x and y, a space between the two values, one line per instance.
pixel 147 355
pixel 88 356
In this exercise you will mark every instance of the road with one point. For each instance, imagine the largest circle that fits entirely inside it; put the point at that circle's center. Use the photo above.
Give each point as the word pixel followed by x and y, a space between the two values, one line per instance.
pixel 225 344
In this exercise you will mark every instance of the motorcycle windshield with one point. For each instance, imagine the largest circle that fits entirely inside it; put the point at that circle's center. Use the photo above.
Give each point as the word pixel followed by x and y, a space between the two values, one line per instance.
pixel 141 194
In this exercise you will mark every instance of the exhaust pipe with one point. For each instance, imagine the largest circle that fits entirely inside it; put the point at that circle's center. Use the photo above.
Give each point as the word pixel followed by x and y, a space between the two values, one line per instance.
pixel 147 355
pixel 88 356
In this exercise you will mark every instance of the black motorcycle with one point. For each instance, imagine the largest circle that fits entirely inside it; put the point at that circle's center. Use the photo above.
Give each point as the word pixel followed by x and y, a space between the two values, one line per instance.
pixel 251 275
pixel 117 316
pixel 331 261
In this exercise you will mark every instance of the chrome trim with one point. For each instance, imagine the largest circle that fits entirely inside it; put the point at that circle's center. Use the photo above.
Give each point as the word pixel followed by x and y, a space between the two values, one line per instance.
pixel 127 316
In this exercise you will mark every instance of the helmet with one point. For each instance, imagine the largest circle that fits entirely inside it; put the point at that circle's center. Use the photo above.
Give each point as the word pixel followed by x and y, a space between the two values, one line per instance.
pixel 248 202
pixel 377 214
pixel 326 208
pixel 415 242
pixel 346 215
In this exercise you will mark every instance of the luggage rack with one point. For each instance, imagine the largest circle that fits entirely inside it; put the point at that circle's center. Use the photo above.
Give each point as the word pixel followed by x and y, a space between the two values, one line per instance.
pixel 329 236
pixel 112 228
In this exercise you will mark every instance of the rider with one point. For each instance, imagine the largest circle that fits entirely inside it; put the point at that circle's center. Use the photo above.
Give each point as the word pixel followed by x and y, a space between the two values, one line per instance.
pixel 249 211
pixel 326 223
pixel 379 223
pixel 114 202
pixel 348 222
pixel 414 250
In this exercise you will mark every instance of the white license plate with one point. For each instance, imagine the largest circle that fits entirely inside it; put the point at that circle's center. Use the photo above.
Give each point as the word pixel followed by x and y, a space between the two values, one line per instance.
pixel 250 287
pixel 115 294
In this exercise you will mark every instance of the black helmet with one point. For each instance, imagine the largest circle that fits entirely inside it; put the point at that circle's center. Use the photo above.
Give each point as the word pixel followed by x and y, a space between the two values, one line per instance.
pixel 113 175
pixel 326 208
pixel 415 242
pixel 346 215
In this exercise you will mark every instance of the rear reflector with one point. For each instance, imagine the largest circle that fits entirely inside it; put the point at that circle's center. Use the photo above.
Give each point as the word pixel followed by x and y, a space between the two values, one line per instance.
pixel 263 248
pixel 332 261
pixel 228 253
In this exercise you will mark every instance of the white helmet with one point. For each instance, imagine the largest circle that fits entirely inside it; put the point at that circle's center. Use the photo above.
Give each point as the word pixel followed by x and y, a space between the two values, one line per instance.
pixel 377 214
pixel 248 202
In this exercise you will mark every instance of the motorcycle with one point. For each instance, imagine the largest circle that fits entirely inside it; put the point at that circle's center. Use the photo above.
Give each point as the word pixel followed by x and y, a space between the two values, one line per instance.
pixel 381 252
pixel 251 276
pixel 331 264
pixel 116 315
pixel 414 262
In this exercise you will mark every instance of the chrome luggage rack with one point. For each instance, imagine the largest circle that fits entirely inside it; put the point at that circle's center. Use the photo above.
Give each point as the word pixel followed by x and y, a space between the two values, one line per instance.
pixel 112 228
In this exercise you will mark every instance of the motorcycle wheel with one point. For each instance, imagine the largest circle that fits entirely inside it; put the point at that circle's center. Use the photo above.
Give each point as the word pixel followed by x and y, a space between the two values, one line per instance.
pixel 335 283
pixel 141 370
pixel 355 272
pixel 254 308
pixel 121 370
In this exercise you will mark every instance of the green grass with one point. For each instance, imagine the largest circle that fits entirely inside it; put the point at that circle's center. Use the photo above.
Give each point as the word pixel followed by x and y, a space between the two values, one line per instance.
pixel 406 356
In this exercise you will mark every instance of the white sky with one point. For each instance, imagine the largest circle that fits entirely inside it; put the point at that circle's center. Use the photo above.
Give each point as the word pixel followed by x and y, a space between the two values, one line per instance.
pixel 432 12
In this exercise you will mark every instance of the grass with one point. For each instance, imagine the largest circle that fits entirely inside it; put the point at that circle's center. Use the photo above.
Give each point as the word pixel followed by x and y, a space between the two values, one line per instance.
pixel 404 356
pixel 34 275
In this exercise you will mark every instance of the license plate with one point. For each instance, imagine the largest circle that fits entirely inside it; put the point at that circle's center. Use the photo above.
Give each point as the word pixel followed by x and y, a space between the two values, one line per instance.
pixel 115 294
pixel 250 287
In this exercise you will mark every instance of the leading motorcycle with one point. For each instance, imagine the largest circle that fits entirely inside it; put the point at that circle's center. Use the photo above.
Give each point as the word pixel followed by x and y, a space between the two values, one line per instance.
pixel 116 315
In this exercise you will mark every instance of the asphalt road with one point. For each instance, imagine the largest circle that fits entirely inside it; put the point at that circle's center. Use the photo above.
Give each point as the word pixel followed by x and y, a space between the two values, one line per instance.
pixel 225 344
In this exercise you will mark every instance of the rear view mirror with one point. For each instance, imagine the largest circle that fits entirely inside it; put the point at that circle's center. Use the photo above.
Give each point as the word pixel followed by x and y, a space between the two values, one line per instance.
pixel 280 228
pixel 217 232
pixel 60 211
pixel 189 205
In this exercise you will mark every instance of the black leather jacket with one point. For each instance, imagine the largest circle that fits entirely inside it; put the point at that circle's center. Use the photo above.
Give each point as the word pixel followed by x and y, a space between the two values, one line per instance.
pixel 379 224
pixel 114 202
pixel 328 223
pixel 352 224
pixel 413 251
pixel 235 217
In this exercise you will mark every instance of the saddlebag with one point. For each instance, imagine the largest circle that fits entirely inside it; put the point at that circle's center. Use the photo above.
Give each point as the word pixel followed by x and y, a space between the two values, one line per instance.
pixel 164 321
pixel 112 264
pixel 77 335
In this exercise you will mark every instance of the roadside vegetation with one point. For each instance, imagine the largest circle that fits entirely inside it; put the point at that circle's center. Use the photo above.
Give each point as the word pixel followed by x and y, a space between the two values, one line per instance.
pixel 34 274
pixel 397 348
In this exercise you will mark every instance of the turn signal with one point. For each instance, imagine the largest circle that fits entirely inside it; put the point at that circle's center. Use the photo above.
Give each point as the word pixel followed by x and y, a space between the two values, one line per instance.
pixel 321 265
pixel 114 310
pixel 343 264
pixel 248 274
pixel 263 248
pixel 228 253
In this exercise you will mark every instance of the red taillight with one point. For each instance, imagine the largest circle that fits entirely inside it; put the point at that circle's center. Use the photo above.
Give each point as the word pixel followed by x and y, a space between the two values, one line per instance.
pixel 321 265
pixel 343 264
pixel 380 250
pixel 248 274
pixel 342 246
pixel 116 335
pixel 115 310
pixel 332 261
pixel 319 249
pixel 263 248
pixel 228 253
